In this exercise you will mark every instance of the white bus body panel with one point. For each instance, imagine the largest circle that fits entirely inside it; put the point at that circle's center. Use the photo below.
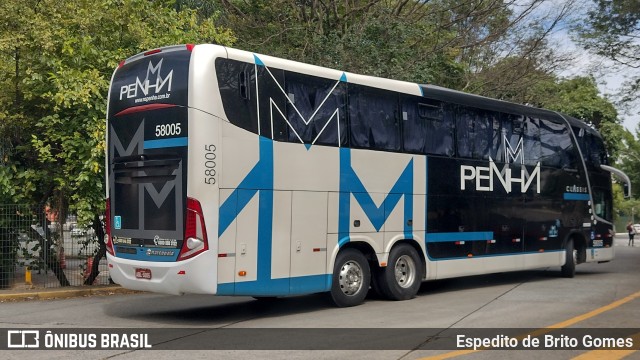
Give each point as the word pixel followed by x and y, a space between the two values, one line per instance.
pixel 191 276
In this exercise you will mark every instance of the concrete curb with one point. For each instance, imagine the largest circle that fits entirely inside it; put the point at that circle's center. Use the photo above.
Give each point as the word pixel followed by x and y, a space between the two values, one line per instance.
pixel 64 293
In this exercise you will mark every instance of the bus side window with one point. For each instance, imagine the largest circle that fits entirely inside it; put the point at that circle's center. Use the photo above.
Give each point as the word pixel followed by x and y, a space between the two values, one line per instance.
pixel 557 148
pixel 598 151
pixel 373 118
pixel 427 126
pixel 531 141
pixel 507 137
pixel 315 109
pixel 474 129
pixel 593 149
pixel 236 81
pixel 273 103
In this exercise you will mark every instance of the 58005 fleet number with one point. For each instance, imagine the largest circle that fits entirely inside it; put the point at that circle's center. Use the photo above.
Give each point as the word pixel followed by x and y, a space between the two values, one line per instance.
pixel 168 129
pixel 210 164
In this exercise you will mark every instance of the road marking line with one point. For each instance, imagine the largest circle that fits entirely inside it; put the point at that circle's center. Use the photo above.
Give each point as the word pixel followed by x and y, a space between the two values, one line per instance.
pixel 595 312
pixel 560 325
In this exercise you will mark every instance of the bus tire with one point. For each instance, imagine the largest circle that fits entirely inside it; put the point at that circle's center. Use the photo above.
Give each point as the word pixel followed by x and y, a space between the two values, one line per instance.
pixel 351 278
pixel 376 290
pixel 568 270
pixel 401 278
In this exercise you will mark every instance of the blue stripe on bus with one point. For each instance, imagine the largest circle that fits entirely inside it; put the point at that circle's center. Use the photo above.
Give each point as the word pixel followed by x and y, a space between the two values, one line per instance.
pixel 459 236
pixel 576 196
pixel 350 184
pixel 475 256
pixel 164 143
pixel 278 287
pixel 257 60
pixel 141 254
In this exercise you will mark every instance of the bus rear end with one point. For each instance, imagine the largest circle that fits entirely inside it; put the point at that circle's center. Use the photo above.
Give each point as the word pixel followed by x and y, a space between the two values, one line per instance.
pixel 157 232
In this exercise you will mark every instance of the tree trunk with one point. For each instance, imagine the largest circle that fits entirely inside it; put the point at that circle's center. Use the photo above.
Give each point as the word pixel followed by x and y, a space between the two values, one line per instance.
pixel 102 251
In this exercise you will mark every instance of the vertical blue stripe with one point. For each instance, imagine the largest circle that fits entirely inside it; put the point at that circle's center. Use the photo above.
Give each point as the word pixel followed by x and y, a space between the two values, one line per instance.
pixel 350 184
pixel 344 207
pixel 258 181
pixel 265 215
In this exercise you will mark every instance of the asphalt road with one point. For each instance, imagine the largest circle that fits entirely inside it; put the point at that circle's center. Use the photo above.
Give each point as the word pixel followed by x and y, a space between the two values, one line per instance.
pixel 599 300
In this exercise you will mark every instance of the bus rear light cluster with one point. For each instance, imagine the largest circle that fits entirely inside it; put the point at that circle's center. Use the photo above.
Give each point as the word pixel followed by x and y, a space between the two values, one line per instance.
pixel 107 224
pixel 195 234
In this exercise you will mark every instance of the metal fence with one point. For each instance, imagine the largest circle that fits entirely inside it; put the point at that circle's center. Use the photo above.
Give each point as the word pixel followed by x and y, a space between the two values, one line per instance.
pixel 38 253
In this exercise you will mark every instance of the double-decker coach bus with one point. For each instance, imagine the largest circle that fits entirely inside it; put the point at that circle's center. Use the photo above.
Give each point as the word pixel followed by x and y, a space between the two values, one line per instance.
pixel 235 173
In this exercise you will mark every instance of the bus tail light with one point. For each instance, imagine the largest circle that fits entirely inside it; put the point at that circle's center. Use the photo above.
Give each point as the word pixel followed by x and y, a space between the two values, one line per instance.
pixel 195 234
pixel 107 223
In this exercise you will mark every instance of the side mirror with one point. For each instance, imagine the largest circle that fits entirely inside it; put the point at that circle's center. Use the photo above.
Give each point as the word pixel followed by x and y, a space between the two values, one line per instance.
pixel 626 190
pixel 626 182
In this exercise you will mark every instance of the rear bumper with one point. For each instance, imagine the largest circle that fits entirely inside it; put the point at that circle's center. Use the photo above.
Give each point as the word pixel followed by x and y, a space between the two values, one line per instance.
pixel 192 276
pixel 600 254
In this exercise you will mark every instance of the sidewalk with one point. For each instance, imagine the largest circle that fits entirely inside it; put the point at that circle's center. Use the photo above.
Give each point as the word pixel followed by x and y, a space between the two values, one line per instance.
pixel 62 293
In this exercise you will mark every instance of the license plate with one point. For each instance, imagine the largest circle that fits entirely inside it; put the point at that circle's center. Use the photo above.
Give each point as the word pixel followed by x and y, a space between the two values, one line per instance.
pixel 143 274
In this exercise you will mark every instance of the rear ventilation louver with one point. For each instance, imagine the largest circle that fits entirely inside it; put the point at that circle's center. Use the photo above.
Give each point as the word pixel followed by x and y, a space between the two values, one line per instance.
pixel 144 169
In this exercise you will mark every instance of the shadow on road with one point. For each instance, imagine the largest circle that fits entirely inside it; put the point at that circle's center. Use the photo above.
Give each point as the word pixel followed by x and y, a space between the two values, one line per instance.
pixel 213 311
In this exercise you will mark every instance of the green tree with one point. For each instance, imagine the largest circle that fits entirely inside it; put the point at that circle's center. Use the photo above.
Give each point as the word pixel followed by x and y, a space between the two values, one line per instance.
pixel 57 58
pixel 443 42
pixel 611 30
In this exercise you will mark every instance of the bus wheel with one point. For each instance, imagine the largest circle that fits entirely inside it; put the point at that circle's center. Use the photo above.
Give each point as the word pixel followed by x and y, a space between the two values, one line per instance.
pixel 402 277
pixel 569 268
pixel 351 278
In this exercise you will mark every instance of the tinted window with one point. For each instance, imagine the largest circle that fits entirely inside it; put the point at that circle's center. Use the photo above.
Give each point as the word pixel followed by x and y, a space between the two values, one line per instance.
pixel 557 149
pixel 427 126
pixel 507 141
pixel 273 103
pixel 236 81
pixel 373 118
pixel 591 146
pixel 474 132
pixel 315 109
pixel 531 141
pixel 597 151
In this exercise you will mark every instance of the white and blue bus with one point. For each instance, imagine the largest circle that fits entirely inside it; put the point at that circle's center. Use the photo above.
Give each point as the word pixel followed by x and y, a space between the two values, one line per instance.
pixel 235 173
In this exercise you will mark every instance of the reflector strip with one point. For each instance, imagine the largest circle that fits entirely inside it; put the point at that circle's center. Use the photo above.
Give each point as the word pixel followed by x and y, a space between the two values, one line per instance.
pixel 151 52
pixel 141 108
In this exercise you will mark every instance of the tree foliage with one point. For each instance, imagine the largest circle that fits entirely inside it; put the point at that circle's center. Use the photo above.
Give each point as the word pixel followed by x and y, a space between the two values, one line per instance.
pixel 57 58
pixel 612 30
pixel 443 42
